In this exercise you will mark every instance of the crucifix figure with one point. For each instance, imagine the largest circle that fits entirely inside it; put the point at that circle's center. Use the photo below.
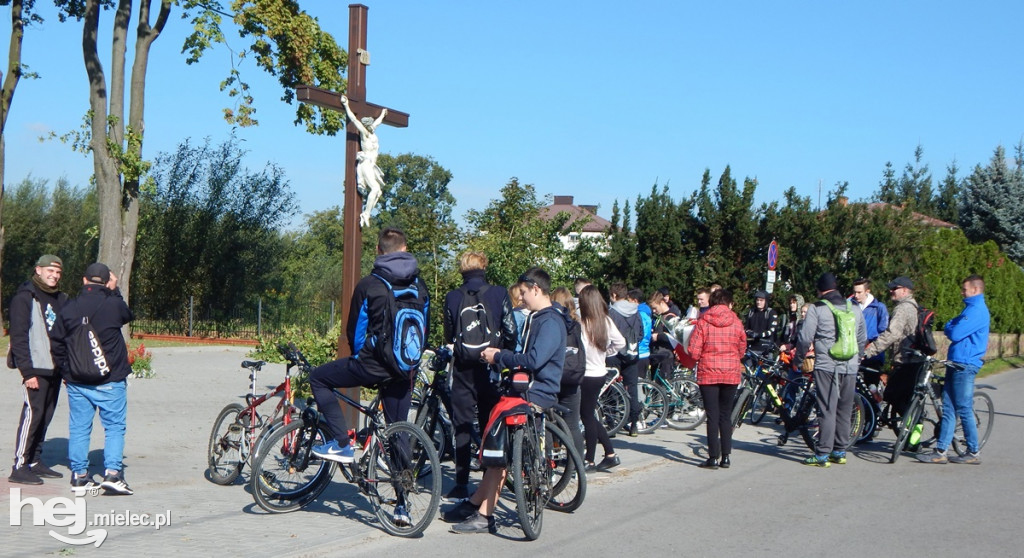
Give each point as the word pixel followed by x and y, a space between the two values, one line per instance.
pixel 369 178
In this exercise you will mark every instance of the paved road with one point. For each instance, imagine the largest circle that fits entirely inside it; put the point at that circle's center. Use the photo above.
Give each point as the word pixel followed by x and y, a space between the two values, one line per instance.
pixel 657 501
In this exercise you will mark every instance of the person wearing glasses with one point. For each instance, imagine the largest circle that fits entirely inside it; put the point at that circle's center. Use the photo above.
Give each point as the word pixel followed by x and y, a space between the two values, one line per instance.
pixel 899 335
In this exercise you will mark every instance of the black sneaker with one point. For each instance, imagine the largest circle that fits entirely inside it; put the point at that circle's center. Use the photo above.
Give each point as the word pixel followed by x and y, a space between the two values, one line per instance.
pixel 459 512
pixel 475 523
pixel 115 484
pixel 24 475
pixel 44 471
pixel 84 485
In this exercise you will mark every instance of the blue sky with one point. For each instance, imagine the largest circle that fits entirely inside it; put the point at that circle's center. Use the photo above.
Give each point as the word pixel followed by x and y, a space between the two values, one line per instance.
pixel 596 99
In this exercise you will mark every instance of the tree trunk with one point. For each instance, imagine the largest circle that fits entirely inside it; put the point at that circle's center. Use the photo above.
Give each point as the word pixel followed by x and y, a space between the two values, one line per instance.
pixel 10 83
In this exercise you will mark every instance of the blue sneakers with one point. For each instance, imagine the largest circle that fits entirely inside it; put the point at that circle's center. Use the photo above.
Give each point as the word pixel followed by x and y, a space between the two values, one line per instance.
pixel 333 451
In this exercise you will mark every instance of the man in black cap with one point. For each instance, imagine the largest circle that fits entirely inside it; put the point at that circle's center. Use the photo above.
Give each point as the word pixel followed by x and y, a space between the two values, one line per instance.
pixel 34 309
pixel 761 324
pixel 900 335
pixel 100 301
pixel 835 374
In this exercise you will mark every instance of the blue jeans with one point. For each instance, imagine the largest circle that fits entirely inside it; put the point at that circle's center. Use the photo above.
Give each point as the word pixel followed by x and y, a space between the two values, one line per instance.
pixel 83 400
pixel 958 401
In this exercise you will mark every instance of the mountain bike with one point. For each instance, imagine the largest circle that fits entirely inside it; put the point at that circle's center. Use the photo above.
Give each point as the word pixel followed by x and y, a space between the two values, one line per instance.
pixel 653 406
pixel 613 404
pixel 432 402
pixel 928 390
pixel 239 430
pixel 802 414
pixel 684 406
pixel 398 471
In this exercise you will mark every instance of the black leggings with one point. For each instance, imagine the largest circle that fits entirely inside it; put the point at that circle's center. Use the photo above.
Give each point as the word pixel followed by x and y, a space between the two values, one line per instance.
pixel 718 401
pixel 592 429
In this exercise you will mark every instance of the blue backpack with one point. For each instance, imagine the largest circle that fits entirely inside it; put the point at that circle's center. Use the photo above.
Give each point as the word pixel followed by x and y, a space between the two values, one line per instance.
pixel 399 344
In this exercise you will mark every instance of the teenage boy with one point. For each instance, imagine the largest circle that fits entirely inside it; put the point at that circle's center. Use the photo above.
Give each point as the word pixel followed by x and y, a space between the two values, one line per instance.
pixel 543 354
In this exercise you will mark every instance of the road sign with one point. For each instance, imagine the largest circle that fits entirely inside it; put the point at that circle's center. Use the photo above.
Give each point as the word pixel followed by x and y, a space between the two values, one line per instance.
pixel 770 287
pixel 771 276
pixel 773 254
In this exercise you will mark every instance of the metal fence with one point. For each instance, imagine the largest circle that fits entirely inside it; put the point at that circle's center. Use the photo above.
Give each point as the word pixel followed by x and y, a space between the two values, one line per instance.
pixel 254 320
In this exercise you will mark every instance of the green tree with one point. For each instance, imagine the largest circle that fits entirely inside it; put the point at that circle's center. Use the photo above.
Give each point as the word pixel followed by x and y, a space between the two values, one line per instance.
pixel 284 41
pixel 60 220
pixel 915 185
pixel 312 267
pixel 661 256
pixel 990 204
pixel 947 202
pixel 514 237
pixel 622 249
pixel 211 229
pixel 888 187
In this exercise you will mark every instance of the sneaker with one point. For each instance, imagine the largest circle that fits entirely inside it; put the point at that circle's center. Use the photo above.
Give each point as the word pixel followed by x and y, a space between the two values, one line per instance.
pixel 476 523
pixel 967 459
pixel 936 456
pixel 817 461
pixel 459 512
pixel 44 471
pixel 83 484
pixel 24 475
pixel 332 451
pixel 457 494
pixel 401 517
pixel 837 457
pixel 634 431
pixel 114 483
pixel 608 462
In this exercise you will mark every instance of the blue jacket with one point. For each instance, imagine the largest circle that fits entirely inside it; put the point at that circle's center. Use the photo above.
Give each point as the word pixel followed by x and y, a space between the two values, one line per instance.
pixel 876 318
pixel 969 332
pixel 645 318
pixel 543 354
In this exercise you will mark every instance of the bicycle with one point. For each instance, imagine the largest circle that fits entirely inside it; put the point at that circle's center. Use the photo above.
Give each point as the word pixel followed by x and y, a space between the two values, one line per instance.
pixel 432 403
pixel 239 430
pixel 653 406
pixel 398 471
pixel 685 408
pixel 801 414
pixel 613 404
pixel 929 390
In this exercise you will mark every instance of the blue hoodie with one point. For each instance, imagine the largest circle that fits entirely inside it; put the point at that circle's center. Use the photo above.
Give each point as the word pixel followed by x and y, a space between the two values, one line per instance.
pixel 543 355
pixel 969 332
pixel 647 320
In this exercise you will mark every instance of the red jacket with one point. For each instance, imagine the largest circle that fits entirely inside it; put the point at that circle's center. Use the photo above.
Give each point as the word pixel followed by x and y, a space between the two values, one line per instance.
pixel 718 343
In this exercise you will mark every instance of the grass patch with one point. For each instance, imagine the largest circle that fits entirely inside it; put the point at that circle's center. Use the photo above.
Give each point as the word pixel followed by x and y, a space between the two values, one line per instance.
pixel 998 365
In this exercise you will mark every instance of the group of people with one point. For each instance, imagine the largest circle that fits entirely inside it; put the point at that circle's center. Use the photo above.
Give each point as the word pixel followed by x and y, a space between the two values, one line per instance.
pixel 44 326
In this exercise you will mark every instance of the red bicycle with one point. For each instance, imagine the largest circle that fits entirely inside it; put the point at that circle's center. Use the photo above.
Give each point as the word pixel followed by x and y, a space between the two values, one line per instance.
pixel 239 430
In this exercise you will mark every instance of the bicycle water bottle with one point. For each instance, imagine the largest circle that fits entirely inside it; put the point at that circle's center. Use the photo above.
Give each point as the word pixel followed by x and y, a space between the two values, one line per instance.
pixel 775 396
pixel 915 435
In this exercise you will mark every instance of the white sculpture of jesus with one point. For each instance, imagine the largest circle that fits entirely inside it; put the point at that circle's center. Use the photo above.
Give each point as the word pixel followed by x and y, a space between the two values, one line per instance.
pixel 369 178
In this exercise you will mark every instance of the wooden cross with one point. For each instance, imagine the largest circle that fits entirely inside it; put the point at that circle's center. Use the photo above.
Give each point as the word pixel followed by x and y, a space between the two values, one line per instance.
pixel 358 59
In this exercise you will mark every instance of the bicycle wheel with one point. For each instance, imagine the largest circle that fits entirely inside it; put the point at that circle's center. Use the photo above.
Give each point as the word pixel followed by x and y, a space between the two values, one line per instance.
pixel 740 406
pixel 227 448
pixel 870 420
pixel 613 408
pixel 285 474
pixel 984 416
pixel 428 418
pixel 906 426
pixel 653 406
pixel 686 407
pixel 527 482
pixel 569 478
pixel 759 404
pixel 404 471
pixel 811 431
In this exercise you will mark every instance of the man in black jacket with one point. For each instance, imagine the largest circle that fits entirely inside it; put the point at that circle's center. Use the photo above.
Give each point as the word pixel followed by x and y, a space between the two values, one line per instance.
pixel 368 322
pixel 100 301
pixel 473 393
pixel 35 308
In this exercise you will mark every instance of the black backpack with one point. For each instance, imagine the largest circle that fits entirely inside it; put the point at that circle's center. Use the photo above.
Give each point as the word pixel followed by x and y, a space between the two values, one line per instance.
pixel 575 364
pixel 87 361
pixel 633 332
pixel 473 327
pixel 399 344
pixel 923 338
